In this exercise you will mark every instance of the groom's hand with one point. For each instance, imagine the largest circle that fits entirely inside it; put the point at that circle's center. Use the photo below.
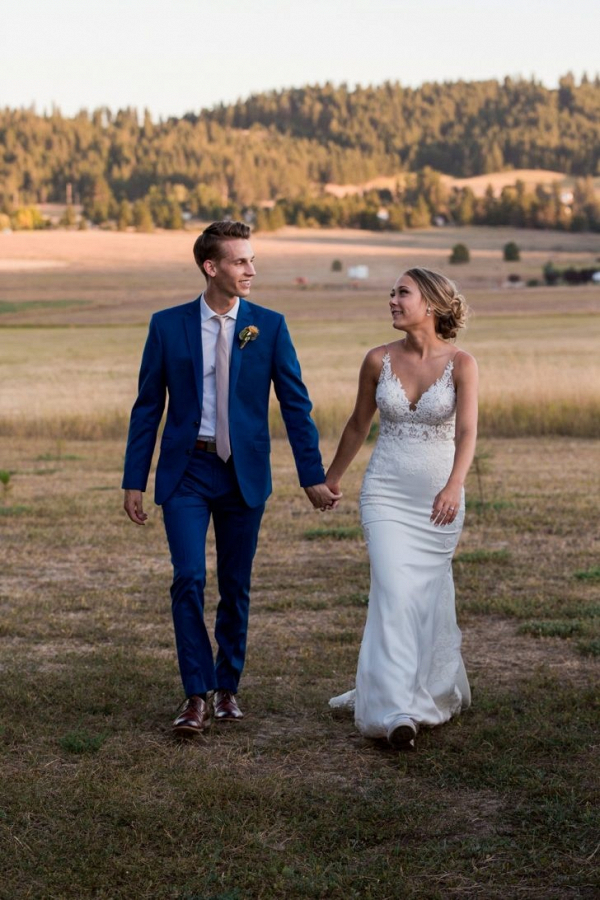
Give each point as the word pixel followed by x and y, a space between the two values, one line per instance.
pixel 322 497
pixel 134 507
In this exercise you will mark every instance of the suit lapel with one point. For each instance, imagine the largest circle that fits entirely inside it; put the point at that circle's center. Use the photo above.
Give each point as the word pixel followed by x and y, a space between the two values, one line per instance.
pixel 194 336
pixel 243 319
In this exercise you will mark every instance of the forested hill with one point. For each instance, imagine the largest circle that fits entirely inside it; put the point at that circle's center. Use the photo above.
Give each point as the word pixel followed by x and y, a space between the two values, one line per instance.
pixel 462 128
pixel 286 145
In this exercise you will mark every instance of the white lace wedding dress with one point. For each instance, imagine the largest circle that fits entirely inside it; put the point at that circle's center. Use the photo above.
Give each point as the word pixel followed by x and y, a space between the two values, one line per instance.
pixel 410 662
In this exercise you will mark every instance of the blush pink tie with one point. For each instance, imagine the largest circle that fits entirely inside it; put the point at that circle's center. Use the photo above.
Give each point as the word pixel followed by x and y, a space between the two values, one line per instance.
pixel 222 380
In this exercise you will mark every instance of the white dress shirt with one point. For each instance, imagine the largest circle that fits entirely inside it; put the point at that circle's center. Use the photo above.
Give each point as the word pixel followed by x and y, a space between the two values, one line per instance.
pixel 210 330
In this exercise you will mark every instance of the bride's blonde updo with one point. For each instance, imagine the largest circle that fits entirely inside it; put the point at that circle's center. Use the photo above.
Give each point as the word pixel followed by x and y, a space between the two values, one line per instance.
pixel 449 306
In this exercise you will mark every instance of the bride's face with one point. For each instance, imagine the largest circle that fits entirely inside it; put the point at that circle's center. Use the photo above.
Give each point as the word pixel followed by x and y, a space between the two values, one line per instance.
pixel 407 304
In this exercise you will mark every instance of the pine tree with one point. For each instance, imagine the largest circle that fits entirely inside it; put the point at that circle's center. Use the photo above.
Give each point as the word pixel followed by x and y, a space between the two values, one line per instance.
pixel 125 216
pixel 142 217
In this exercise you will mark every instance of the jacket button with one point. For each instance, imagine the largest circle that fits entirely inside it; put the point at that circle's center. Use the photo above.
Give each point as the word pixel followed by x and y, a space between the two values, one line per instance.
pixel 189 452
pixel 197 424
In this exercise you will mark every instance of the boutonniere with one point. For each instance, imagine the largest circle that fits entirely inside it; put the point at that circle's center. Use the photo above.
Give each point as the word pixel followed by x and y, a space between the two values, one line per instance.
pixel 249 333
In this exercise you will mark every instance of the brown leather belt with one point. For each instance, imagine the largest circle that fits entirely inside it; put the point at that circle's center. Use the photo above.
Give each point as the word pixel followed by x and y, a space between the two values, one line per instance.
pixel 208 446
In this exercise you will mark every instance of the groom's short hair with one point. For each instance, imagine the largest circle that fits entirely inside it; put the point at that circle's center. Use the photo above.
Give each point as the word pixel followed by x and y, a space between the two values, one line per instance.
pixel 208 245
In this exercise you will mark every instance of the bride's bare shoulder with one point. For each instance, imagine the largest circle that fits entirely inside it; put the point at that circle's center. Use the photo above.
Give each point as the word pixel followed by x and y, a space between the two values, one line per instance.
pixel 373 361
pixel 463 359
pixel 465 366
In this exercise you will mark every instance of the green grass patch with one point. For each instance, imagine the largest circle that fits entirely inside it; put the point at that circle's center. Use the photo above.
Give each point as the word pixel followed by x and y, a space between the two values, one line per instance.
pixel 341 637
pixel 286 604
pixel 589 648
pixel 357 598
pixel 19 306
pixel 373 433
pixel 582 611
pixel 339 533
pixel 8 511
pixel 592 574
pixel 553 628
pixel 82 742
pixel 482 506
pixel 55 457
pixel 483 556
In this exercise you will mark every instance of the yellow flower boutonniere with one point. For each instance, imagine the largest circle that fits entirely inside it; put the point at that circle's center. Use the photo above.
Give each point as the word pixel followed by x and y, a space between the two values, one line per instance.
pixel 249 333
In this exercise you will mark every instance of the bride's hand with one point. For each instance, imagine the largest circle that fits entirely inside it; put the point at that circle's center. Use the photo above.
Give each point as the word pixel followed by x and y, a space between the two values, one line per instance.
pixel 334 486
pixel 446 505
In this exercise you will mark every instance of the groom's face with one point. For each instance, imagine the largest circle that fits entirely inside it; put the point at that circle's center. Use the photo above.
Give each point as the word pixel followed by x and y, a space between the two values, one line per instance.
pixel 233 272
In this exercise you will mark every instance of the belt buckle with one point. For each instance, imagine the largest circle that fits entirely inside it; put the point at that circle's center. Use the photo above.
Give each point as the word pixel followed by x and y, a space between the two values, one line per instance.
pixel 206 446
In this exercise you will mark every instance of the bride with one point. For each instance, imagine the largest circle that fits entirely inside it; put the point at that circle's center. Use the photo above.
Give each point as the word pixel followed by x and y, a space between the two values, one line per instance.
pixel 410 670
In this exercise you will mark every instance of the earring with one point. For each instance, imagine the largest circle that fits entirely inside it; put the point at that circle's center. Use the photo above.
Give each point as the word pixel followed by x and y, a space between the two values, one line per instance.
pixel 428 310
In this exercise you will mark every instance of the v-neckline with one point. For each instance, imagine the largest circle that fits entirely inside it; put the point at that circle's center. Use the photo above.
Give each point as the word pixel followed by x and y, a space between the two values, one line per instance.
pixel 412 407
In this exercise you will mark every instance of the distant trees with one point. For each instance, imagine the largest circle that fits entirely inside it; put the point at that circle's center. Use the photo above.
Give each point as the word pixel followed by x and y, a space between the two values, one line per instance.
pixel 420 214
pixel 269 219
pixel 512 123
pixel 272 156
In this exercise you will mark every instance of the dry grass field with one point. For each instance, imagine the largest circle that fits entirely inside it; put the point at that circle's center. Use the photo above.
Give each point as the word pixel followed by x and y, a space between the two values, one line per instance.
pixel 477 183
pixel 537 347
pixel 97 801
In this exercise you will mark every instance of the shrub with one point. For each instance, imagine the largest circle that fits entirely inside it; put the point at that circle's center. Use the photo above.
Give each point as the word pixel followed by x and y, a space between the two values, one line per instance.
pixel 460 254
pixel 571 275
pixel 27 218
pixel 551 273
pixel 68 218
pixel 512 252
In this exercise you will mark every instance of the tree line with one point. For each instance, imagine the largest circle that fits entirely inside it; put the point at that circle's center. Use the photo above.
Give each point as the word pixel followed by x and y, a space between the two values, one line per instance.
pixel 270 157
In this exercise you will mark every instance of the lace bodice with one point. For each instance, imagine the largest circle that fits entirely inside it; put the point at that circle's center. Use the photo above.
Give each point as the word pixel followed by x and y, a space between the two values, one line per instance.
pixel 433 416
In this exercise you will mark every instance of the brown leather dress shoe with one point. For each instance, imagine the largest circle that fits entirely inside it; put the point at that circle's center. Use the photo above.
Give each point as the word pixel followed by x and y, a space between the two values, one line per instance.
pixel 194 717
pixel 226 708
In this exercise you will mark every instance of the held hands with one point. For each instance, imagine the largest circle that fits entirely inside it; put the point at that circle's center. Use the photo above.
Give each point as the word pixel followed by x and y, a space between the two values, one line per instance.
pixel 446 505
pixel 134 507
pixel 323 496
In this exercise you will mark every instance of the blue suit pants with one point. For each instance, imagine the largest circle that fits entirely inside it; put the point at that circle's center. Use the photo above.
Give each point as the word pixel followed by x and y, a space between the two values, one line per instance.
pixel 209 488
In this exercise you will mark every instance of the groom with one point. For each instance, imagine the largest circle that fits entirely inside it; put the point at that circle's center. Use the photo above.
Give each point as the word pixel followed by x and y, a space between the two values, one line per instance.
pixel 215 358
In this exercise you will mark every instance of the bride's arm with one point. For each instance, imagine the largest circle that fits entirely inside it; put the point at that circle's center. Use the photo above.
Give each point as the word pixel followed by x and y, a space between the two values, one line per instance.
pixel 447 502
pixel 357 426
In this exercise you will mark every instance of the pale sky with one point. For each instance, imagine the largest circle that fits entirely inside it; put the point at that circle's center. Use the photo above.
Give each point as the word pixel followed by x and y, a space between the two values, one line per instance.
pixel 180 56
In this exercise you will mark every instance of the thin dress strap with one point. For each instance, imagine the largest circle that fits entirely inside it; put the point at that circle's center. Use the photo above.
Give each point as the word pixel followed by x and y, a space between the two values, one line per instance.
pixel 386 361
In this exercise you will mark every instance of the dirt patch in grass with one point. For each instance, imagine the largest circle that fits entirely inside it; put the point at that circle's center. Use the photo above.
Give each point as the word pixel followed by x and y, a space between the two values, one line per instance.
pixel 493 650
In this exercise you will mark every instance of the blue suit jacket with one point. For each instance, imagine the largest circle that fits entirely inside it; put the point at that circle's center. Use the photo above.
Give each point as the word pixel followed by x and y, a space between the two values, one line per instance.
pixel 172 365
